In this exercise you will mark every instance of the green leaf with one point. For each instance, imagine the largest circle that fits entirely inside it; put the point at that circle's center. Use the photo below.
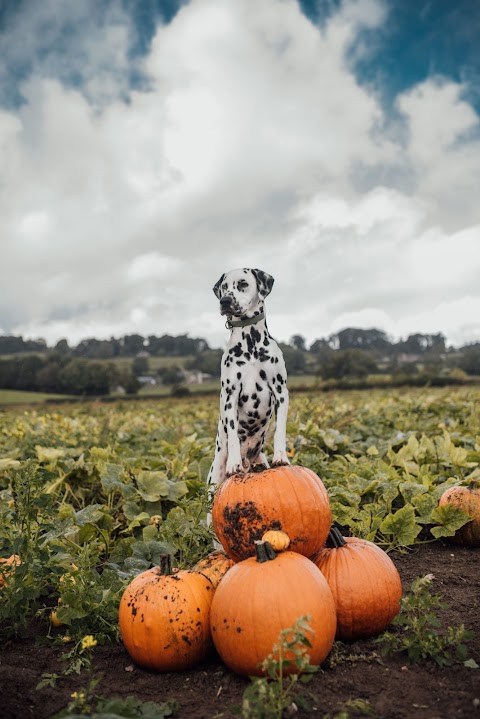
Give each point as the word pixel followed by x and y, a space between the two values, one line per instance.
pixel 89 515
pixel 112 480
pixel 153 486
pixel 471 664
pixel 401 526
pixel 449 518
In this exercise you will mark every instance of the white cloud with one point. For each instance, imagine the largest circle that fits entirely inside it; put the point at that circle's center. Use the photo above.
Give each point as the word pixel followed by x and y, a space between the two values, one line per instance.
pixel 248 149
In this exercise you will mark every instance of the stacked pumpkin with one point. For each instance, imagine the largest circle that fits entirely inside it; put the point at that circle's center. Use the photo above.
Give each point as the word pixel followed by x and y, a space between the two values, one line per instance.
pixel 281 561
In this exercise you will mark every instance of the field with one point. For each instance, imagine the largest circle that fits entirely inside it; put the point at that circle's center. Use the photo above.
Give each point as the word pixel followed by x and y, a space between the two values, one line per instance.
pixel 91 494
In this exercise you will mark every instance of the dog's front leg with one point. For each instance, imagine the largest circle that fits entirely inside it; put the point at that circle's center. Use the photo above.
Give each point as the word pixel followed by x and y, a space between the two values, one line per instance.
pixel 280 437
pixel 229 420
pixel 217 470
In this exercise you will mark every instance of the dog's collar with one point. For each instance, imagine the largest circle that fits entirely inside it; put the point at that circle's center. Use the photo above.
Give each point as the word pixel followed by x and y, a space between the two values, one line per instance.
pixel 230 324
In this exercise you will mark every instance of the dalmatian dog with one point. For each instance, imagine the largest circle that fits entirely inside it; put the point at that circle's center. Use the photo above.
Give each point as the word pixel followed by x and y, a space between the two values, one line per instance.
pixel 253 379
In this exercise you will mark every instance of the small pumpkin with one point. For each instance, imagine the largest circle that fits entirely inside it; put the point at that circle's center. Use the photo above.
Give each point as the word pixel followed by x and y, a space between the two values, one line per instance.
pixel 290 498
pixel 365 584
pixel 466 498
pixel 164 618
pixel 7 566
pixel 214 566
pixel 278 540
pixel 263 595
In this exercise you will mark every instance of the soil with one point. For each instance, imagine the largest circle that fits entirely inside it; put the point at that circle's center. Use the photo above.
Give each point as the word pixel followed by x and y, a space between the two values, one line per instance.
pixel 393 688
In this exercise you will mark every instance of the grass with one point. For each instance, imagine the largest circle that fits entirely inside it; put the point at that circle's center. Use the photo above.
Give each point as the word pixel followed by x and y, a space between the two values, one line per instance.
pixel 11 396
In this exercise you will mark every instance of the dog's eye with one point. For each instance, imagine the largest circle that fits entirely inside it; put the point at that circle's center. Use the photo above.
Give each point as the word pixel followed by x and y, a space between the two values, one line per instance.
pixel 242 285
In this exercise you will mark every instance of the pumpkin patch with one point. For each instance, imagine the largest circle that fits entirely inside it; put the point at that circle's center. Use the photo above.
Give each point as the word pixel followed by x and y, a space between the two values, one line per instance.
pixel 107 492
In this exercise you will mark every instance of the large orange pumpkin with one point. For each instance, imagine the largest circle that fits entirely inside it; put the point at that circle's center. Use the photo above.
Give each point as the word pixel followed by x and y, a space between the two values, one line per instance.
pixel 214 566
pixel 468 500
pixel 291 498
pixel 164 618
pixel 365 584
pixel 264 595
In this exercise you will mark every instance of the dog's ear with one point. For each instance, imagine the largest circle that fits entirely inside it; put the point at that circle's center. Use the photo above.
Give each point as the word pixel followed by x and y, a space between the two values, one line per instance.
pixel 264 282
pixel 217 285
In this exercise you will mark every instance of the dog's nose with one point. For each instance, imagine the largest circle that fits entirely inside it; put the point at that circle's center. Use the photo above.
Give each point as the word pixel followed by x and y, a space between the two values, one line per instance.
pixel 225 301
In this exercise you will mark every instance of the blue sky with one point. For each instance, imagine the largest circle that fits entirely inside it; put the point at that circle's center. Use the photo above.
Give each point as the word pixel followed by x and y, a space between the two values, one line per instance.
pixel 421 38
pixel 146 146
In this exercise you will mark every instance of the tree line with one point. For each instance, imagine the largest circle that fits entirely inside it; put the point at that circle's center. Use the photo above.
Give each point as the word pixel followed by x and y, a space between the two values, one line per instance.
pixel 92 348
pixel 89 369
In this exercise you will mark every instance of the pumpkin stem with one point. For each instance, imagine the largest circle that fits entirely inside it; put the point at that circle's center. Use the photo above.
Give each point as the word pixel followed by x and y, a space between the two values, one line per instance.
pixel 335 539
pixel 165 565
pixel 264 551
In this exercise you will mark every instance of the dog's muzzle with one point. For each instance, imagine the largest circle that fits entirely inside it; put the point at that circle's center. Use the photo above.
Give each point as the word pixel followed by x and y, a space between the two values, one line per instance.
pixel 226 306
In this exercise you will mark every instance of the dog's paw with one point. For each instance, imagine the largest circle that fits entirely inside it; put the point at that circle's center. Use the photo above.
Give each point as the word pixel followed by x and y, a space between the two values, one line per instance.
pixel 280 459
pixel 234 469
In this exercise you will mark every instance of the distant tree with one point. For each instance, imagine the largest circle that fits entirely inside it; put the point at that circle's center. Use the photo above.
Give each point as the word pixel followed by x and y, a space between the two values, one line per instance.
pixel 140 366
pixel 295 360
pixel 469 360
pixel 320 345
pixel 62 347
pixel 128 381
pixel 363 339
pixel 131 345
pixel 47 378
pixel 167 345
pixel 207 361
pixel 298 342
pixel 420 343
pixel 10 344
pixel 88 377
pixel 27 368
pixel 171 375
pixel 348 363
pixel 8 373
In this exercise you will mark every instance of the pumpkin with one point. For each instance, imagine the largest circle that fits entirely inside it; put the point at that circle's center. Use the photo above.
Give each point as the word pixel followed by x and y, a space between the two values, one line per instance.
pixel 290 498
pixel 7 566
pixel 214 566
pixel 164 618
pixel 264 595
pixel 365 584
pixel 467 499
pixel 279 541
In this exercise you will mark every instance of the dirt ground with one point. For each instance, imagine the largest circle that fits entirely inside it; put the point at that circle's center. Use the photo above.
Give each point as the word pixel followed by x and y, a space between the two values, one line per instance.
pixel 392 688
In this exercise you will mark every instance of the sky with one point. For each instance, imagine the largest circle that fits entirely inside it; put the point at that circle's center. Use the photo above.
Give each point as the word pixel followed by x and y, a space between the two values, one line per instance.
pixel 148 146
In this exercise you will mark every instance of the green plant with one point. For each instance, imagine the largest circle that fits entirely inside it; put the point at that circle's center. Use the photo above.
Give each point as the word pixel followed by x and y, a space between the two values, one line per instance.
pixel 84 702
pixel 419 632
pixel 23 522
pixel 353 709
pixel 267 697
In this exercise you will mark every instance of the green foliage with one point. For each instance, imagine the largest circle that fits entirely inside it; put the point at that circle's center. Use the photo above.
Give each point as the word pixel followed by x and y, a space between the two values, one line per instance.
pixel 419 632
pixel 267 697
pixel 85 702
pixel 348 363
pixel 108 488
pixel 22 525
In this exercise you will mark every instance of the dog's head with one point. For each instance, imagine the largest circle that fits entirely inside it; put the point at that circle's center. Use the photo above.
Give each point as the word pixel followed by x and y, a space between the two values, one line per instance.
pixel 242 291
